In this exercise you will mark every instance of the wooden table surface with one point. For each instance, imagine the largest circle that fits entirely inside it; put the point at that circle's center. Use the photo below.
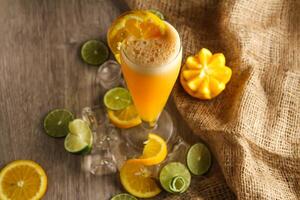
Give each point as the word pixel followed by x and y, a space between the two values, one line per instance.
pixel 40 70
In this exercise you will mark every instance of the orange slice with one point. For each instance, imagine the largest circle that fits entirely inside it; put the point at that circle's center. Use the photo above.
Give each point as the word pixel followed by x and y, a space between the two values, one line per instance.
pixel 137 180
pixel 155 151
pixel 205 75
pixel 139 24
pixel 22 179
pixel 125 118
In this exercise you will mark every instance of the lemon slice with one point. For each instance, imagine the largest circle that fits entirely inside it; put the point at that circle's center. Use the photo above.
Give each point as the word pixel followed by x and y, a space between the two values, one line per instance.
pixel 22 179
pixel 139 24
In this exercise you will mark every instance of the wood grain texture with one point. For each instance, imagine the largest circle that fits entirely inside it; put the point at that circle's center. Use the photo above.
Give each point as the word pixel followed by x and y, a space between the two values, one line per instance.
pixel 40 70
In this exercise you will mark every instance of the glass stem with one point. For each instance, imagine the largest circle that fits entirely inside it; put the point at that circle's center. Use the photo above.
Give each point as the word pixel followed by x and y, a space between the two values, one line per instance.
pixel 149 125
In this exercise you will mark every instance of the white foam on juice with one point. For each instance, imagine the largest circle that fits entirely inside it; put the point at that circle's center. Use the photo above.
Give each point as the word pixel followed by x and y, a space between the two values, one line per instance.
pixel 153 55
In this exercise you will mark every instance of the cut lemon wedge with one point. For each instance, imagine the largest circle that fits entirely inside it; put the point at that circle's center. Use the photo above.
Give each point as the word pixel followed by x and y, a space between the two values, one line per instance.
pixel 138 24
pixel 125 118
pixel 137 180
pixel 22 179
pixel 205 75
pixel 155 151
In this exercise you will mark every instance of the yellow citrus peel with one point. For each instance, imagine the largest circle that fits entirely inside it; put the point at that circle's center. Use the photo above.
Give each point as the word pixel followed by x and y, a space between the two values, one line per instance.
pixel 205 75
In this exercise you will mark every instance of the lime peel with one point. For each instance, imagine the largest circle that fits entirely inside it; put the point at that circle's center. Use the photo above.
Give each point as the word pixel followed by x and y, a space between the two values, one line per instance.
pixel 198 159
pixel 171 176
pixel 56 122
pixel 177 184
pixel 94 52
pixel 80 138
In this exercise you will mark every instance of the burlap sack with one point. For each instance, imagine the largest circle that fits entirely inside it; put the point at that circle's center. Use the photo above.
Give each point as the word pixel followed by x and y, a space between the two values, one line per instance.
pixel 253 127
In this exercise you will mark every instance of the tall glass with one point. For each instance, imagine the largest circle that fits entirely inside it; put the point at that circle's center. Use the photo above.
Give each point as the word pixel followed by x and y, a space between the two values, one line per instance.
pixel 150 88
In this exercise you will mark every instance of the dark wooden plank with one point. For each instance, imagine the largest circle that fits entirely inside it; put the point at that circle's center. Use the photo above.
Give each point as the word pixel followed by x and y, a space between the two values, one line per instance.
pixel 40 70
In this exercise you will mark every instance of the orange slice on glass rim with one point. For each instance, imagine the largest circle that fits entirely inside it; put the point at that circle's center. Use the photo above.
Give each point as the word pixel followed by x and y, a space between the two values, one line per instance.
pixel 139 24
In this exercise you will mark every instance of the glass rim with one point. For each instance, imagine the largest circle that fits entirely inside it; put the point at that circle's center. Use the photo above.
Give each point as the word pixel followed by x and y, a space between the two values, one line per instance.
pixel 145 66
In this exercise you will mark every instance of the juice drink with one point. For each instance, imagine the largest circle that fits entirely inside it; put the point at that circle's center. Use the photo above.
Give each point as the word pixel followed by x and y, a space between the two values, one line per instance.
pixel 150 68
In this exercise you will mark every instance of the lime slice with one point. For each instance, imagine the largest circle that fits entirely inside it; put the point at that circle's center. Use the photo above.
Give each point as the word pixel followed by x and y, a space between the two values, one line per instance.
pixel 80 138
pixel 123 196
pixel 157 13
pixel 117 98
pixel 56 122
pixel 94 52
pixel 198 159
pixel 175 177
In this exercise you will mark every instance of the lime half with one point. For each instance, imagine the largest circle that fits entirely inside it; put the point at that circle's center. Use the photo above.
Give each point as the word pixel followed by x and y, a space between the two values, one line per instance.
pixel 80 138
pixel 123 196
pixel 117 98
pixel 94 52
pixel 198 159
pixel 157 13
pixel 175 177
pixel 56 122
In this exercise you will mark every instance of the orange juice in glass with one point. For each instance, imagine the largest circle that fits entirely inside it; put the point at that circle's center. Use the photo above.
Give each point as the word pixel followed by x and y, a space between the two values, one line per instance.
pixel 150 68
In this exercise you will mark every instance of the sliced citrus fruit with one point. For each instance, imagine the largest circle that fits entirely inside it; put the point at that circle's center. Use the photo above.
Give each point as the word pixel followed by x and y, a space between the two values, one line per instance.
pixel 56 122
pixel 94 52
pixel 80 138
pixel 177 184
pixel 198 159
pixel 22 179
pixel 175 177
pixel 137 180
pixel 125 118
pixel 123 196
pixel 117 98
pixel 155 151
pixel 139 24
pixel 205 75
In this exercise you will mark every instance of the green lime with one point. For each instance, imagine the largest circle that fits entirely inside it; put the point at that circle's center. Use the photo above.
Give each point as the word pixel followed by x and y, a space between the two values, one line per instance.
pixel 157 13
pixel 56 122
pixel 175 177
pixel 177 184
pixel 198 159
pixel 94 52
pixel 117 98
pixel 80 138
pixel 123 196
